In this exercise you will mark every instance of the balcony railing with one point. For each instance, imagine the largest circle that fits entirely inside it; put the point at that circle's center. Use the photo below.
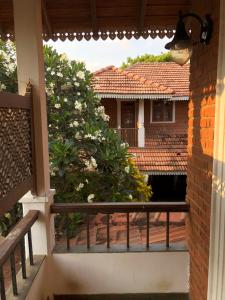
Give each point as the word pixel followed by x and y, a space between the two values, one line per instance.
pixel 129 135
pixel 109 209
pixel 14 241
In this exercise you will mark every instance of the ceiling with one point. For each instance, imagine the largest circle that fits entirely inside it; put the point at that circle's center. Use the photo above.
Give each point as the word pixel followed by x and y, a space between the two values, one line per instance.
pixel 78 19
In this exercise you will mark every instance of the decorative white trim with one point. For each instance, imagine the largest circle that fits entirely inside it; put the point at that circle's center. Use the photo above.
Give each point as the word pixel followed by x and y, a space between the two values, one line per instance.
pixel 163 173
pixel 142 96
pixel 179 98
pixel 134 96
pixel 163 122
pixel 216 278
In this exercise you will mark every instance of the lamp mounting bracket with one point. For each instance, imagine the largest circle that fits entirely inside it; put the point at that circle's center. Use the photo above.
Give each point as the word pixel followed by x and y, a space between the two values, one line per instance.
pixel 206 25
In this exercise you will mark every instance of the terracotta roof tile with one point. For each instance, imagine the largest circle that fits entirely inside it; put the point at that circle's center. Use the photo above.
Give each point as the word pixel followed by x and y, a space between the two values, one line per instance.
pixel 168 74
pixel 164 152
pixel 113 80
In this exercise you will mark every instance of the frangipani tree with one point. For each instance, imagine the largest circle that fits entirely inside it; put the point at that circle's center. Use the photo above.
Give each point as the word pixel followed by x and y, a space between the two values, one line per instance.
pixel 88 160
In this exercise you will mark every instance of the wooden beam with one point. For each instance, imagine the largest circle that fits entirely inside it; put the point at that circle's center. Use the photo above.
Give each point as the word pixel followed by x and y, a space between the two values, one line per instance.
pixel 93 15
pixel 141 20
pixel 46 18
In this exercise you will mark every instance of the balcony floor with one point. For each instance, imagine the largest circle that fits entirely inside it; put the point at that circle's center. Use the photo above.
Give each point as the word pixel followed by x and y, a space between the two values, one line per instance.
pixel 125 297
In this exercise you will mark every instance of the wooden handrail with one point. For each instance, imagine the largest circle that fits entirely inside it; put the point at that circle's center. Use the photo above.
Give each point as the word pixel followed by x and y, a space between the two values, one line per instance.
pixel 17 233
pixel 125 207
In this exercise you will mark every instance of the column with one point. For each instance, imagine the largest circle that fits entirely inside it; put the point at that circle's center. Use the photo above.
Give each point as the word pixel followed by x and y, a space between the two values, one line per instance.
pixel 30 67
pixel 140 123
pixel 118 113
pixel 30 63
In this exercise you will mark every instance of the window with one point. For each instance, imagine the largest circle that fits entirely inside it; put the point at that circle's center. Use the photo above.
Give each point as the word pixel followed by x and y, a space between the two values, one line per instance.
pixel 163 111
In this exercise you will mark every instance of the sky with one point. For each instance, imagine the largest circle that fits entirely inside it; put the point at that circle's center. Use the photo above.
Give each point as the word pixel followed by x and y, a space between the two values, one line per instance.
pixel 99 54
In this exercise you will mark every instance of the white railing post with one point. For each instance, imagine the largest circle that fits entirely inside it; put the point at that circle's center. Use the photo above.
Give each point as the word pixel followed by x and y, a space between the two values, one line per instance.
pixel 140 123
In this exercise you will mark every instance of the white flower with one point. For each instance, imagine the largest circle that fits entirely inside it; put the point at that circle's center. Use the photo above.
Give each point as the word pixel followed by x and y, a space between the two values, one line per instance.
pixel 75 124
pixel 78 136
pixel 52 72
pixel 130 197
pixel 50 125
pixel 127 169
pixel 57 105
pixel 48 69
pixel 79 187
pixel 63 57
pixel 2 86
pixel 123 145
pixel 78 93
pixel 78 106
pixel 105 117
pixel 93 162
pixel 59 74
pixel 81 75
pixel 77 84
pixel 86 180
pixel 65 100
pixel 90 198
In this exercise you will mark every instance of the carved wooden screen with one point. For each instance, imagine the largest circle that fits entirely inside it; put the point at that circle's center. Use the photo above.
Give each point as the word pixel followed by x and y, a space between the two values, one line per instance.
pixel 16 163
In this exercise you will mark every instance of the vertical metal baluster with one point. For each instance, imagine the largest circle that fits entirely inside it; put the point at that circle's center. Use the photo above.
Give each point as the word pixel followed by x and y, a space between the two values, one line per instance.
pixel 88 232
pixel 23 258
pixel 13 274
pixel 128 230
pixel 147 231
pixel 2 284
pixel 108 231
pixel 167 229
pixel 67 233
pixel 29 237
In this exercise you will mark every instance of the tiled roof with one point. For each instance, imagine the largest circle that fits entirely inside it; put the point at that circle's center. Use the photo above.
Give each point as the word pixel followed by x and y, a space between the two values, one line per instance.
pixel 169 74
pixel 112 80
pixel 164 153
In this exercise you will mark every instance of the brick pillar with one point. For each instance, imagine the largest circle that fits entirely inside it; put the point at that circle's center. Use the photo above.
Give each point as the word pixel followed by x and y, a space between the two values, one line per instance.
pixel 203 79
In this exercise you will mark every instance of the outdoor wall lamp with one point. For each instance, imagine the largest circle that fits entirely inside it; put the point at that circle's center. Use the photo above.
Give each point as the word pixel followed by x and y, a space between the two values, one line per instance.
pixel 181 46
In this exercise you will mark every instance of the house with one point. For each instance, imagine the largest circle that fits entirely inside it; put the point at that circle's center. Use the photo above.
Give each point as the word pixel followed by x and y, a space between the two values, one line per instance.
pixel 166 270
pixel 148 106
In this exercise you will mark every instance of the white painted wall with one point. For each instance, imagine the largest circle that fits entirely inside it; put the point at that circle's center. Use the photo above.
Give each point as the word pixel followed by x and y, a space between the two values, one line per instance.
pixel 105 273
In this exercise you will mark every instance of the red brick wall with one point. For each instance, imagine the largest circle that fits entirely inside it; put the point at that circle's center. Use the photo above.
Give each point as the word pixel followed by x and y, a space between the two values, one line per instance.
pixel 111 110
pixel 200 152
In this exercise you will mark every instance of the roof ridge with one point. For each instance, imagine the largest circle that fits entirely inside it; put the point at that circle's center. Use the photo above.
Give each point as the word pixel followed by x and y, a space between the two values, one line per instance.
pixel 142 79
pixel 102 70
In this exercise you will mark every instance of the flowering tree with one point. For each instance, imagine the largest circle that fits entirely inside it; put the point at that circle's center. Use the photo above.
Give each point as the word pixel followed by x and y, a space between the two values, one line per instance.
pixel 88 161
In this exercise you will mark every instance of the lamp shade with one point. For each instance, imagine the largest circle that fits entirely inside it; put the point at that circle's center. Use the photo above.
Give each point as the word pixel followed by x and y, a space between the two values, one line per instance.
pixel 181 39
pixel 181 57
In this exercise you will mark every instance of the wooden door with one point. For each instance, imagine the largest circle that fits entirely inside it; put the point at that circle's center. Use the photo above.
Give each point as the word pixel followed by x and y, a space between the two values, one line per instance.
pixel 128 114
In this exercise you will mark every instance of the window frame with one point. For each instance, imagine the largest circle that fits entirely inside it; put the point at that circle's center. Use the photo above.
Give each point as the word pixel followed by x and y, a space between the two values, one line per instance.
pixel 163 122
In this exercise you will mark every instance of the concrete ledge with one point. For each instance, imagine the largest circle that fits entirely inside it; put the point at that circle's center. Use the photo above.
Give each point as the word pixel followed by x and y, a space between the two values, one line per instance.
pixel 124 297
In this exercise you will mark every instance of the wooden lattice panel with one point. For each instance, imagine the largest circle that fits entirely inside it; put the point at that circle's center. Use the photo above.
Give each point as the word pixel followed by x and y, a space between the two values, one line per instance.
pixel 15 145
pixel 15 149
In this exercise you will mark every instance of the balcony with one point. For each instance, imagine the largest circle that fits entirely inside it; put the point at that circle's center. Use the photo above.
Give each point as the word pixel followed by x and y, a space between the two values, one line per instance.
pixel 80 270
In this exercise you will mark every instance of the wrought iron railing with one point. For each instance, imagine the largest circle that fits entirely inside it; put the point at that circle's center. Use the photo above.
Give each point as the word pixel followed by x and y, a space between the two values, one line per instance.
pixel 127 208
pixel 14 240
